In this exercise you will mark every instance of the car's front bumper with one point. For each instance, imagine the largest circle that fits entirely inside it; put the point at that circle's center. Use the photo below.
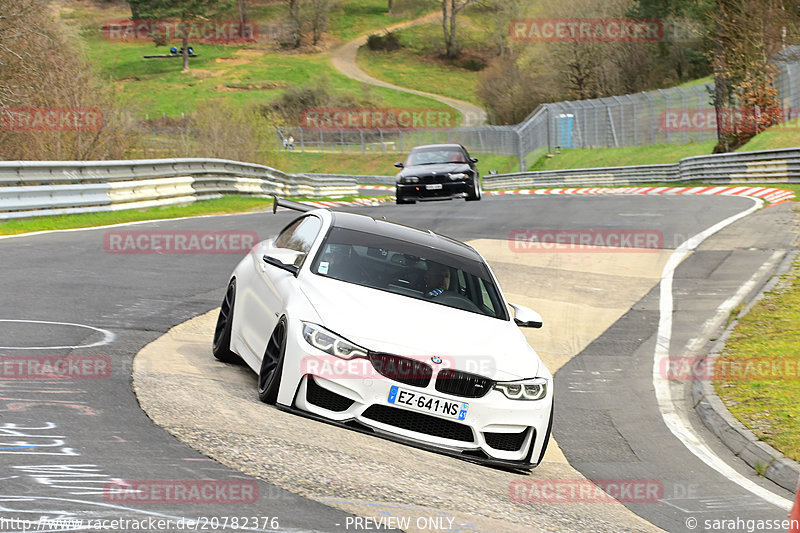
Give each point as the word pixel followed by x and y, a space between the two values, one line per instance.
pixel 422 191
pixel 497 430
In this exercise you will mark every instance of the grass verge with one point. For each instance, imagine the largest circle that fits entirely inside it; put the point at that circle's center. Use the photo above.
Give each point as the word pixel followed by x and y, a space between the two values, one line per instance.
pixel 617 157
pixel 768 337
pixel 217 206
pixel 371 164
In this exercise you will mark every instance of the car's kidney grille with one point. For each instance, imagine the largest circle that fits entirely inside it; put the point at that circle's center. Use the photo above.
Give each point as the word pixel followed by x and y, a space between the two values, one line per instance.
pixel 462 384
pixel 402 369
pixel 322 397
pixel 510 442
pixel 419 423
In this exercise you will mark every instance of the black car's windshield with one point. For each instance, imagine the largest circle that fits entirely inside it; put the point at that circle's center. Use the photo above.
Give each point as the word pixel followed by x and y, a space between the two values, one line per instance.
pixel 409 269
pixel 432 156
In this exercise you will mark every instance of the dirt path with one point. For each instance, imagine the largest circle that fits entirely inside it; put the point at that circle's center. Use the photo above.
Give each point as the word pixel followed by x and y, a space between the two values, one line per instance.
pixel 343 59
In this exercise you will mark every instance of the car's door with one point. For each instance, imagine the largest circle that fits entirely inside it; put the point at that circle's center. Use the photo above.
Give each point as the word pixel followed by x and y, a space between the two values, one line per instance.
pixel 272 285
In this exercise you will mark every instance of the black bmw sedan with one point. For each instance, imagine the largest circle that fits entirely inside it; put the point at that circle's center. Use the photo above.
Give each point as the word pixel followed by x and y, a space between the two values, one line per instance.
pixel 438 171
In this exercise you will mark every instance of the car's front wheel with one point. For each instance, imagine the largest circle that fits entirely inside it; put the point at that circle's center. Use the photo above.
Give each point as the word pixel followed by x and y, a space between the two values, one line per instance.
pixel 400 200
pixel 221 346
pixel 475 190
pixel 269 377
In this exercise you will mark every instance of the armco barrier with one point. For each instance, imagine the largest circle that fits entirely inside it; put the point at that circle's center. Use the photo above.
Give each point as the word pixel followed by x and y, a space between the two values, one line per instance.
pixel 769 166
pixel 361 179
pixel 35 188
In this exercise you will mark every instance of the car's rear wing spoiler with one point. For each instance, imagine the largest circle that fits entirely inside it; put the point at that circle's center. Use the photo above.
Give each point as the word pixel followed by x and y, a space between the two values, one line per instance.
pixel 288 204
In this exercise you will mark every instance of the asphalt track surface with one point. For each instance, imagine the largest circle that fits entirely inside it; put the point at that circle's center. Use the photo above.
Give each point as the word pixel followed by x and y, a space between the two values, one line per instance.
pixel 63 441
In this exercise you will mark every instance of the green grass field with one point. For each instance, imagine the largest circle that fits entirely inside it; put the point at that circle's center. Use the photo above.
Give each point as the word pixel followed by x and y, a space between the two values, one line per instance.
pixel 417 65
pixel 768 403
pixel 217 206
pixel 242 74
pixel 373 164
pixel 615 157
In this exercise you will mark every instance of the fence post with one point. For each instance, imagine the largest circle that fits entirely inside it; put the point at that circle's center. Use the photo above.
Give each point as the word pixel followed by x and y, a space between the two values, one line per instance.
pixel 361 133
pixel 685 112
pixel 302 141
pixel 666 109
pixel 520 154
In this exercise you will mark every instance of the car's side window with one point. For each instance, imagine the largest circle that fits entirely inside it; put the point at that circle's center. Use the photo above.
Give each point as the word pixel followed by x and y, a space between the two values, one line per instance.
pixel 300 234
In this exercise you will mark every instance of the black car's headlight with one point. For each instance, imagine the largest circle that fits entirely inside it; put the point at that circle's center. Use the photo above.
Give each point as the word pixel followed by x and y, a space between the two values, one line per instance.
pixel 529 389
pixel 329 342
pixel 458 176
pixel 409 179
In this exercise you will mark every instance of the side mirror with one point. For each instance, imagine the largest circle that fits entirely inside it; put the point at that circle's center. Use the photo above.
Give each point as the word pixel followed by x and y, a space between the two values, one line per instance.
pixel 525 317
pixel 399 165
pixel 473 159
pixel 284 259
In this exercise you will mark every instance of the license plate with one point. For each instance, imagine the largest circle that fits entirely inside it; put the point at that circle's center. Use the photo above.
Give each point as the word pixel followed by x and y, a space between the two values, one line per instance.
pixel 433 186
pixel 427 403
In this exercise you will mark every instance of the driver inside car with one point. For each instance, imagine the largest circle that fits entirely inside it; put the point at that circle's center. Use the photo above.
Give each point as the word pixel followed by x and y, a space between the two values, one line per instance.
pixel 437 280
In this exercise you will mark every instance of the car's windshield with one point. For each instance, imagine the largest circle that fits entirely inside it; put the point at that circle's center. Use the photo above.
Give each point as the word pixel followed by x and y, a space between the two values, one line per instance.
pixel 431 156
pixel 409 269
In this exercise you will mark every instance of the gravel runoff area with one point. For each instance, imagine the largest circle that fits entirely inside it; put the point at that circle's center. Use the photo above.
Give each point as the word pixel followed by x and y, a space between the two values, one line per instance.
pixel 212 406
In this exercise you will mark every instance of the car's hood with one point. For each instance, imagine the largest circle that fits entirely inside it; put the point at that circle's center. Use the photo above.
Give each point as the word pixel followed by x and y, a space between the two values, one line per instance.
pixel 442 168
pixel 391 323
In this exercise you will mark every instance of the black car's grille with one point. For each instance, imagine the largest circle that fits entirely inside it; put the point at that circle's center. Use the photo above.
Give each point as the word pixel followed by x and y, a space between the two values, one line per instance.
pixel 419 423
pixel 402 369
pixel 510 442
pixel 322 397
pixel 438 178
pixel 462 384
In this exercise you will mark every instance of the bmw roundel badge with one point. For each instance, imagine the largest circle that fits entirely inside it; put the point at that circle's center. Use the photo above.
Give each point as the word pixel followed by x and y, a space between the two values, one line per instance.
pixel 436 359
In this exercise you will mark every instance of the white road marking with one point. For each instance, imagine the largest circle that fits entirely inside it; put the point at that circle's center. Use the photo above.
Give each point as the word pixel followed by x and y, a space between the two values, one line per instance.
pixel 108 337
pixel 671 416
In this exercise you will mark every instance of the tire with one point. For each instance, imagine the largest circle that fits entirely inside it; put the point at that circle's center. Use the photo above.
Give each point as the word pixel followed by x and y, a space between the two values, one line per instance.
pixel 269 377
pixel 475 194
pixel 400 200
pixel 221 346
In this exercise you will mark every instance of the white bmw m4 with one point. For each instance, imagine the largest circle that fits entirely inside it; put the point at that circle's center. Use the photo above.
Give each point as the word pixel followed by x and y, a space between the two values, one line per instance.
pixel 390 330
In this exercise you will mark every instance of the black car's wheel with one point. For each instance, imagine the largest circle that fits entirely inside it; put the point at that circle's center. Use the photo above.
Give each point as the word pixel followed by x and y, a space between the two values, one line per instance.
pixel 269 378
pixel 475 190
pixel 221 346
pixel 400 200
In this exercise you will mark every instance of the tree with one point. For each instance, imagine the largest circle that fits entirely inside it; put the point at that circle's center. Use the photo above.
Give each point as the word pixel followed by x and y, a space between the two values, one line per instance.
pixel 309 15
pixel 450 11
pixel 185 11
pixel 747 34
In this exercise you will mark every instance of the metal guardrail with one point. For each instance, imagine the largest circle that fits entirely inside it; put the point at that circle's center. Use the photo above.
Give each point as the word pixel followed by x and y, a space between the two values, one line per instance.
pixel 360 179
pixel 36 188
pixel 769 166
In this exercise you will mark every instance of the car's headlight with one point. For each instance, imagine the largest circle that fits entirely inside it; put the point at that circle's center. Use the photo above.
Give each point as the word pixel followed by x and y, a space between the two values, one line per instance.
pixel 409 179
pixel 529 389
pixel 458 176
pixel 331 343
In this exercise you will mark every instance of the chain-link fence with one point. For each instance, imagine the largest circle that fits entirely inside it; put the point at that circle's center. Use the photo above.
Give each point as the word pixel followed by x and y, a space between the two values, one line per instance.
pixel 666 116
